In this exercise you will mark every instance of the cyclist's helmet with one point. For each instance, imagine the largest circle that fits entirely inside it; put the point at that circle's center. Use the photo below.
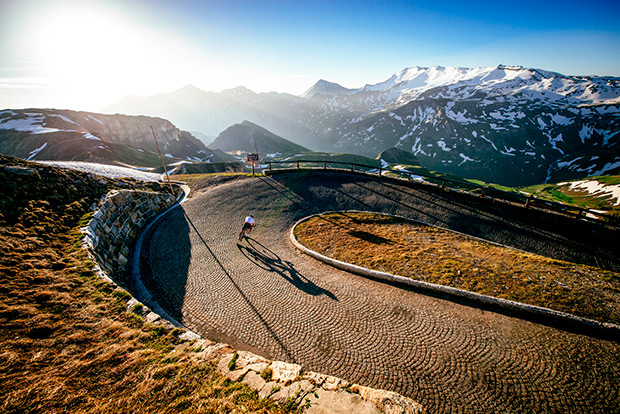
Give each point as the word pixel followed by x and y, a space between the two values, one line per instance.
pixel 252 215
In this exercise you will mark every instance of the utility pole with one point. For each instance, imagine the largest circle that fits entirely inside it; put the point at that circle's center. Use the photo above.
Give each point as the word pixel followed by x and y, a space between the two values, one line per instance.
pixel 255 147
pixel 162 161
pixel 253 157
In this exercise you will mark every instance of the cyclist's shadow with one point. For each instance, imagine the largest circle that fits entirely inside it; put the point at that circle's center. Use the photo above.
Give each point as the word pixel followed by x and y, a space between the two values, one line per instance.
pixel 267 260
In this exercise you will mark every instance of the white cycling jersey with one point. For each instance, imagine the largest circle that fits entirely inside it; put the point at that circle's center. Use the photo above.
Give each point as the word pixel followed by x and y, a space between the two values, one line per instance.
pixel 249 220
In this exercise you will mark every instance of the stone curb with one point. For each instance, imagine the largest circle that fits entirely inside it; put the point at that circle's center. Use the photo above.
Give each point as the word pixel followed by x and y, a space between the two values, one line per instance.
pixel 505 304
pixel 288 384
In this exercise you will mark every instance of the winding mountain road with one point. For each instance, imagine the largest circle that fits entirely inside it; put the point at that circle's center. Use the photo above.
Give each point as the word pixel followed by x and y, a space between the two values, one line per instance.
pixel 267 297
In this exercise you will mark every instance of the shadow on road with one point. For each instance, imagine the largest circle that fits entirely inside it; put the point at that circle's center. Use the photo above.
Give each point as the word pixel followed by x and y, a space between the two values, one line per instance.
pixel 267 260
pixel 282 189
pixel 164 271
pixel 243 295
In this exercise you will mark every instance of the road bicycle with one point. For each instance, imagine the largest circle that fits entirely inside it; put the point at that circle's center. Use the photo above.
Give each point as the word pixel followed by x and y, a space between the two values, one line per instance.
pixel 245 232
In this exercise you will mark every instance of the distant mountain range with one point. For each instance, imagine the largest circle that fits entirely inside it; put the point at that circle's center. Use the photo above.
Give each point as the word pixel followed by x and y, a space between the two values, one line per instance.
pixel 506 124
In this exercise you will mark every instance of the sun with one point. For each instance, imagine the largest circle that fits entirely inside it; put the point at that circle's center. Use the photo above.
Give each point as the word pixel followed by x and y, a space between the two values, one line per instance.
pixel 89 51
pixel 86 55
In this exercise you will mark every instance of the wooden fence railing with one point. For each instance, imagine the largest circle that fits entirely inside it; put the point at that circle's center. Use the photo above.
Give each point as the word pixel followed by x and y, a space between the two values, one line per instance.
pixel 526 200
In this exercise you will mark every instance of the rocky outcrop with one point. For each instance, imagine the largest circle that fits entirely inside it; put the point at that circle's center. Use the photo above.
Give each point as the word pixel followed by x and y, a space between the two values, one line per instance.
pixel 293 387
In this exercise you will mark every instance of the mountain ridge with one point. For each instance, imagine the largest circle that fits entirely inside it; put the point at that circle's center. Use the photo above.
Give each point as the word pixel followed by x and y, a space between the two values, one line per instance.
pixel 324 87
pixel 66 135
pixel 518 125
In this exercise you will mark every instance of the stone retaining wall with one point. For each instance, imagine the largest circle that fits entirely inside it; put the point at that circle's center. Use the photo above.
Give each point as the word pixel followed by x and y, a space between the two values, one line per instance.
pixel 116 225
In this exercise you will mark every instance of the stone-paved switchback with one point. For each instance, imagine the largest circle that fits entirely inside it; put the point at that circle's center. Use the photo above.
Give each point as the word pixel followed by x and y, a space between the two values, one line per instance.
pixel 266 297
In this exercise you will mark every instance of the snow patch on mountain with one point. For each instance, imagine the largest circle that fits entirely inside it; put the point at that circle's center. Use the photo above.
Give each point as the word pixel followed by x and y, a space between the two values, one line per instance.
pixel 111 171
pixel 88 135
pixel 508 151
pixel 459 117
pixel 560 120
pixel 554 142
pixel 489 141
pixel 94 119
pixel 597 188
pixel 64 118
pixel 35 152
pixel 585 133
pixel 465 158
pixel 442 144
pixel 33 123
pixel 607 167
pixel 566 164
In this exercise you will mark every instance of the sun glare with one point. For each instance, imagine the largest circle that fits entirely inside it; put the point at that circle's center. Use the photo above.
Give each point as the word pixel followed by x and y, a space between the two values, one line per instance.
pixel 88 55
pixel 97 53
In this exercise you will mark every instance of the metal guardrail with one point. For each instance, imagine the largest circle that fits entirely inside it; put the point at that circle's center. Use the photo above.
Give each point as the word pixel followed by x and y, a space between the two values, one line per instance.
pixel 527 201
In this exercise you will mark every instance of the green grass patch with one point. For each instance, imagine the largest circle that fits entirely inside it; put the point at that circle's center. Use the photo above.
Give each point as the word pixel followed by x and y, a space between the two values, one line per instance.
pixel 562 193
pixel 233 362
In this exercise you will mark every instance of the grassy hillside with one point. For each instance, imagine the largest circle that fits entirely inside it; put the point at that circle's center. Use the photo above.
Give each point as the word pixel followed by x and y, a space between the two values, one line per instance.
pixel 67 341
pixel 575 192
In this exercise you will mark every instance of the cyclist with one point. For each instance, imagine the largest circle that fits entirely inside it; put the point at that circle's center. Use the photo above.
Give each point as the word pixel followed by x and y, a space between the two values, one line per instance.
pixel 247 226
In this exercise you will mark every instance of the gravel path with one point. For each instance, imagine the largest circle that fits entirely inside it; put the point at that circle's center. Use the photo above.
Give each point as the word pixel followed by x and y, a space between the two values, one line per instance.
pixel 267 297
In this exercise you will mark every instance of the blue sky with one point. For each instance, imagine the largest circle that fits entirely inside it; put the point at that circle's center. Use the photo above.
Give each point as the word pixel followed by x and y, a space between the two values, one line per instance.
pixel 85 54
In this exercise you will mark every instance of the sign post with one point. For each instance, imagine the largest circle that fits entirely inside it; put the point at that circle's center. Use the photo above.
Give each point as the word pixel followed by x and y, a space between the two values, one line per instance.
pixel 253 157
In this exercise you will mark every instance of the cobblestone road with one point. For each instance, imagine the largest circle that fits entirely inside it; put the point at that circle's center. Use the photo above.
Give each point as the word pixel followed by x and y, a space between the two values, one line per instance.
pixel 266 297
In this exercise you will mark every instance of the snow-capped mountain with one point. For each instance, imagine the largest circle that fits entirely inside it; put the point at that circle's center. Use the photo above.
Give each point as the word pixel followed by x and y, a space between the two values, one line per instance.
pixel 507 124
pixel 48 134
pixel 464 83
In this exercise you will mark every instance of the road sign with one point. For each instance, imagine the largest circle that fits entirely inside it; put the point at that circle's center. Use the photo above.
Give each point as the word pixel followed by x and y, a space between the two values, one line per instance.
pixel 252 157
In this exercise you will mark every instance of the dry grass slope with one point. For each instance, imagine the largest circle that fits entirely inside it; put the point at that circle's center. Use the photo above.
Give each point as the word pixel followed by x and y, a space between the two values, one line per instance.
pixel 68 344
pixel 439 256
